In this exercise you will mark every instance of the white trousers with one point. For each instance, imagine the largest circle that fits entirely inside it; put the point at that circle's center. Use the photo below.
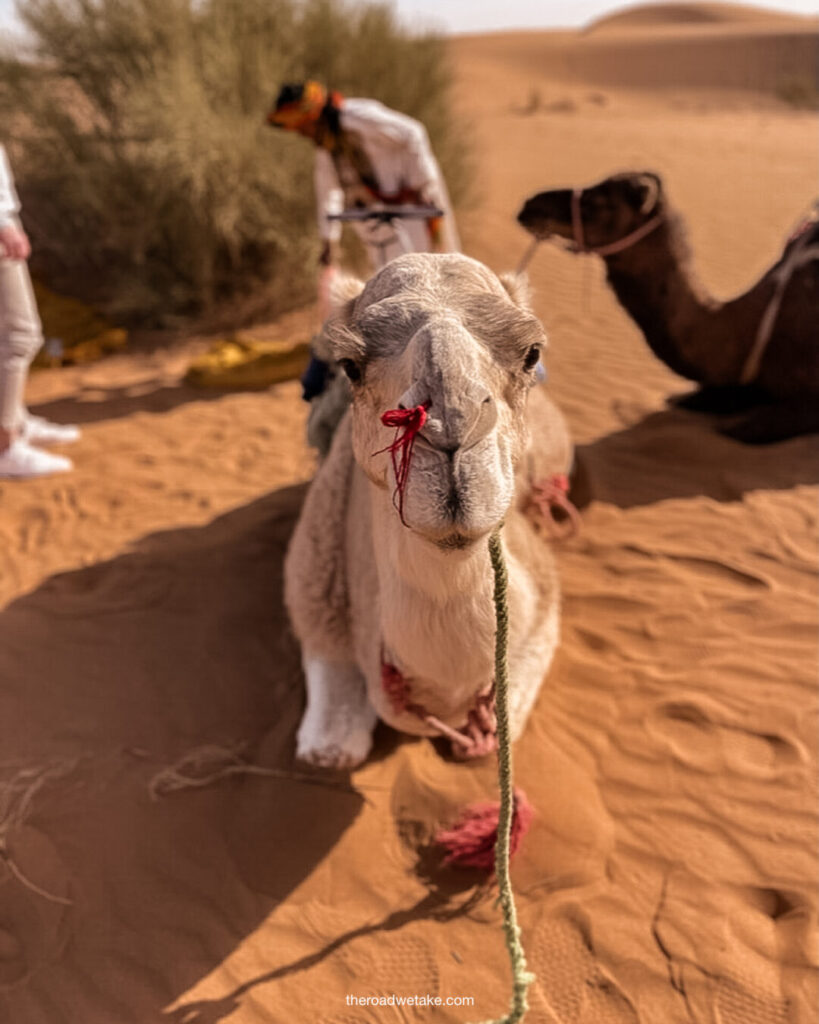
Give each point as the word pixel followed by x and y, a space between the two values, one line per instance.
pixel 384 242
pixel 21 336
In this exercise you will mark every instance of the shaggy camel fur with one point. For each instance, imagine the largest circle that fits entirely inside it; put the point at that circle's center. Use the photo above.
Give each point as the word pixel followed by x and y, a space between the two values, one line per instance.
pixel 627 220
pixel 365 589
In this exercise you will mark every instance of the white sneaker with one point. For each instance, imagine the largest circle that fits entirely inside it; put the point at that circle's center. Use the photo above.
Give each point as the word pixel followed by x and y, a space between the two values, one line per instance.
pixel 22 461
pixel 41 431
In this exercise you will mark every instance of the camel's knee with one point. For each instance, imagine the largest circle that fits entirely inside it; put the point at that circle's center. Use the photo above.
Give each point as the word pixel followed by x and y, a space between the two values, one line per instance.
pixel 527 676
pixel 336 730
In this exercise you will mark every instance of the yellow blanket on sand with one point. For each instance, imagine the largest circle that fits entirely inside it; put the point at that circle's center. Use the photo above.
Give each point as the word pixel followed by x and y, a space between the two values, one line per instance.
pixel 246 363
pixel 73 332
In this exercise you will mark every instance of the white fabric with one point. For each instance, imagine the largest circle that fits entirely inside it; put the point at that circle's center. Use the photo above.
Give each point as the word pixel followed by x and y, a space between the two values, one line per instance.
pixel 22 461
pixel 37 430
pixel 401 157
pixel 20 338
pixel 9 203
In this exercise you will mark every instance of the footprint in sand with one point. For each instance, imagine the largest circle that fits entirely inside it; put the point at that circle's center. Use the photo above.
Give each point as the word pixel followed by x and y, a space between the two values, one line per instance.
pixel 729 950
pixel 735 1005
pixel 34 928
pixel 403 964
pixel 571 988
pixel 704 735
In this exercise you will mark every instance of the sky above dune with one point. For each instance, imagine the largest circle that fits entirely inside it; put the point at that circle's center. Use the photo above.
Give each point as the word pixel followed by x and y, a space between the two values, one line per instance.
pixel 467 16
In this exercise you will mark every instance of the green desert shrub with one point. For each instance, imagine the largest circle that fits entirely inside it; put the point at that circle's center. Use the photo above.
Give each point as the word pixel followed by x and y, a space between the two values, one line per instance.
pixel 151 183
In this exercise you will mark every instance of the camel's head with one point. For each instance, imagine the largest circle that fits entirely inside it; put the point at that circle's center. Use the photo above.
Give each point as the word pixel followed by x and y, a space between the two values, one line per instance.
pixel 445 332
pixel 596 217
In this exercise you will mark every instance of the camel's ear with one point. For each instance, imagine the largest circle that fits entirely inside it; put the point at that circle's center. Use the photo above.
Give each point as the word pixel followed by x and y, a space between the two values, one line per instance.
pixel 649 187
pixel 517 285
pixel 337 341
pixel 344 289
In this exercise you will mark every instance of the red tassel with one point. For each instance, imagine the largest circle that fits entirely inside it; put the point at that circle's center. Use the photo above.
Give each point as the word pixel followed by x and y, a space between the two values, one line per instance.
pixel 412 420
pixel 471 840
pixel 550 494
pixel 397 690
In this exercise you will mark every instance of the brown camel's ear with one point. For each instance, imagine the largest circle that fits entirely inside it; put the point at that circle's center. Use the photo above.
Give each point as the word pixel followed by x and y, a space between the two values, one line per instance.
pixel 517 285
pixel 649 188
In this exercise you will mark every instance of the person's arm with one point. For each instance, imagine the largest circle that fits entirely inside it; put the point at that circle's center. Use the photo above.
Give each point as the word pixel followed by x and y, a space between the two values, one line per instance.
pixel 329 200
pixel 13 240
pixel 424 175
pixel 419 168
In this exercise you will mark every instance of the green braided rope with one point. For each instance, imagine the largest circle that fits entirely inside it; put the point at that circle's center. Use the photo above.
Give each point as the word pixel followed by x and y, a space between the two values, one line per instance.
pixel 522 978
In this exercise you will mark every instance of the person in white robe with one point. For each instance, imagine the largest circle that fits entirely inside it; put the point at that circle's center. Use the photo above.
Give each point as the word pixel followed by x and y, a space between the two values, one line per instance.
pixel 21 336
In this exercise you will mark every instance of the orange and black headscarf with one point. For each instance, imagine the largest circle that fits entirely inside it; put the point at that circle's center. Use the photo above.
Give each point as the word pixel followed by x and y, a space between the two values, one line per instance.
pixel 301 103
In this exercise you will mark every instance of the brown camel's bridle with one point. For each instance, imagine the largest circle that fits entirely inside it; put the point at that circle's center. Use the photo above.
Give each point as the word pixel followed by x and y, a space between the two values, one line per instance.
pixel 613 247
pixel 579 244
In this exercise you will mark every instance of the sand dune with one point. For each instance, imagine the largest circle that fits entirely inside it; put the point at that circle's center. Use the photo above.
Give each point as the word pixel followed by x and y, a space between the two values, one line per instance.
pixel 663 48
pixel 670 875
pixel 653 15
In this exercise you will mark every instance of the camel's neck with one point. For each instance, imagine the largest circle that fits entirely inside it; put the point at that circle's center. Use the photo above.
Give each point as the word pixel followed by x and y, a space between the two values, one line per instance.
pixel 682 323
pixel 437 575
pixel 436 607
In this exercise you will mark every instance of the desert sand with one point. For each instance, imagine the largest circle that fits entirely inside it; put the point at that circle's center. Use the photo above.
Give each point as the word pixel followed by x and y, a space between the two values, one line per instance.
pixel 670 875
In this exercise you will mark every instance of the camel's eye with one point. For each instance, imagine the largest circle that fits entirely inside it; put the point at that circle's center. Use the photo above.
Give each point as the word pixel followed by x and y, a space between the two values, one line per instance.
pixel 531 357
pixel 351 369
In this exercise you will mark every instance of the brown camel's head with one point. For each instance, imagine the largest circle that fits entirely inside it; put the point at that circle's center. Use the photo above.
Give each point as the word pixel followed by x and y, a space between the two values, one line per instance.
pixel 444 332
pixel 598 216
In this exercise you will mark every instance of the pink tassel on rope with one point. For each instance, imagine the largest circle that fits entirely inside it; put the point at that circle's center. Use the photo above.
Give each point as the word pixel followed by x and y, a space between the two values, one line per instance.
pixel 471 840
pixel 412 420
pixel 553 493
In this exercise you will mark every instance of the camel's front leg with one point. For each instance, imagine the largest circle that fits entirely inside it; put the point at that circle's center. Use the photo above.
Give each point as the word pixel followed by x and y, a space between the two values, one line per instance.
pixel 336 730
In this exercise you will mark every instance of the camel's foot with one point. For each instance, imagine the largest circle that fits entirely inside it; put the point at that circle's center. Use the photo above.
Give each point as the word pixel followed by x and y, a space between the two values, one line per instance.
pixel 720 401
pixel 337 727
pixel 777 421
pixel 482 731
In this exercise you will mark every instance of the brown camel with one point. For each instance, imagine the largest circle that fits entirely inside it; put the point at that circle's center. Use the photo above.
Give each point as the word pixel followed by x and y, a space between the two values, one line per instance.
pixel 757 354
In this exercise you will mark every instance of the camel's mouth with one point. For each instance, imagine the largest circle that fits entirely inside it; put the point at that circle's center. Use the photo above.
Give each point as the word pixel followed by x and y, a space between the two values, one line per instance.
pixel 540 218
pixel 456 541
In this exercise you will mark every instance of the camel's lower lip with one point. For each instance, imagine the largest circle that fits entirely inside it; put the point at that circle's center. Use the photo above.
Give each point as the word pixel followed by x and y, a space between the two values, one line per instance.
pixel 456 542
pixel 536 228
pixel 448 539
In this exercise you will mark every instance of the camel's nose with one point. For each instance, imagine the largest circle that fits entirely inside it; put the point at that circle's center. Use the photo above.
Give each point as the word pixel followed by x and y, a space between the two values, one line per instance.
pixel 461 409
pixel 452 427
pixel 542 213
pixel 526 212
pixel 534 209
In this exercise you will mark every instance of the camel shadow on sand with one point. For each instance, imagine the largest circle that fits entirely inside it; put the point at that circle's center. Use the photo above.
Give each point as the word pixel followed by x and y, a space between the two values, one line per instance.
pixel 675 453
pixel 113 672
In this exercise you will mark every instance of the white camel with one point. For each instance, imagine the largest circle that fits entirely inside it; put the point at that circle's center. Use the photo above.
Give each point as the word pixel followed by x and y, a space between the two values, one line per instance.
pixel 390 594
